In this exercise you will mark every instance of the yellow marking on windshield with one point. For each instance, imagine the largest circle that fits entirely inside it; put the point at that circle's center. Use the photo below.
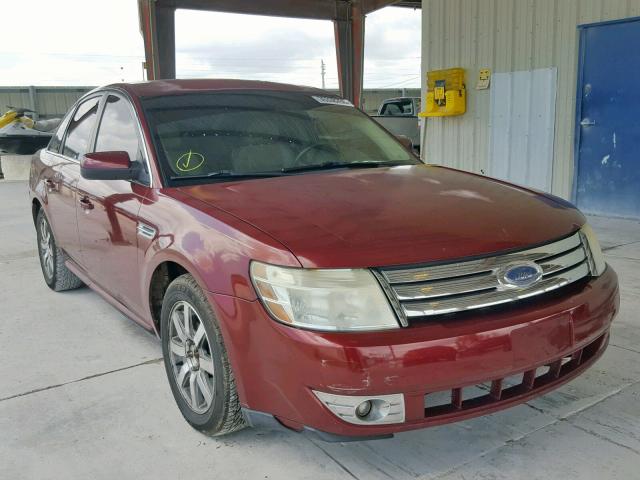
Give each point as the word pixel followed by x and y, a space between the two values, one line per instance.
pixel 189 161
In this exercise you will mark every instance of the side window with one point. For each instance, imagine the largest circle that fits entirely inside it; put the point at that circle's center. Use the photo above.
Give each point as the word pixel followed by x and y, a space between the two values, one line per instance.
pixel 56 140
pixel 118 129
pixel 390 109
pixel 400 107
pixel 79 132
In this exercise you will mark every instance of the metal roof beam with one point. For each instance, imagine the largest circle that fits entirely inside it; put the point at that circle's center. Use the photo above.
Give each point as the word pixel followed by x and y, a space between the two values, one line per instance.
pixel 314 9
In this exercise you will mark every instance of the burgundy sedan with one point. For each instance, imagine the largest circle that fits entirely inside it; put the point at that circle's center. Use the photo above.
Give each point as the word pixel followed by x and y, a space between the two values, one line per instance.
pixel 304 270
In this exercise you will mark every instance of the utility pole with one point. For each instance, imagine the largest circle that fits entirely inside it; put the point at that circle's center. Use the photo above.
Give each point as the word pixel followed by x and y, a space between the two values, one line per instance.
pixel 323 71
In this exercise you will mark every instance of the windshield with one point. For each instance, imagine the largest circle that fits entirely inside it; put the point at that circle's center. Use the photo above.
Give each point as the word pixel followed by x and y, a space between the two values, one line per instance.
pixel 220 135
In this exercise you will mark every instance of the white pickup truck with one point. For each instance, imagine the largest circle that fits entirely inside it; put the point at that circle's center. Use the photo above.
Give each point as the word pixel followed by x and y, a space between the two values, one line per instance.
pixel 400 117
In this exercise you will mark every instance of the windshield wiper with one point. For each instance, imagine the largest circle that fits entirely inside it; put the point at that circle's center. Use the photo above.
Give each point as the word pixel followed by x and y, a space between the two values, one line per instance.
pixel 285 171
pixel 226 174
pixel 330 165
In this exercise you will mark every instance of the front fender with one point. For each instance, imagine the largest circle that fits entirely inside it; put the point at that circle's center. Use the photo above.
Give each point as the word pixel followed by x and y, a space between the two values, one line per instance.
pixel 214 247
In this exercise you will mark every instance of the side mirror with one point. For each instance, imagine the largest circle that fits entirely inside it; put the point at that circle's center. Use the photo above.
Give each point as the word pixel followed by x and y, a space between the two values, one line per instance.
pixel 406 142
pixel 108 166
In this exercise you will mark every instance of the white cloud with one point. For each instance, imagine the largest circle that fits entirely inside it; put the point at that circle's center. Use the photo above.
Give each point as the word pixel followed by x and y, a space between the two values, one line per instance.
pixel 256 47
pixel 392 48
pixel 290 50
pixel 70 42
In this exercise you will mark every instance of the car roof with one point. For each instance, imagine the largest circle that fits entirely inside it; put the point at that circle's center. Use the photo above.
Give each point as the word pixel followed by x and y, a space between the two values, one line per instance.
pixel 158 88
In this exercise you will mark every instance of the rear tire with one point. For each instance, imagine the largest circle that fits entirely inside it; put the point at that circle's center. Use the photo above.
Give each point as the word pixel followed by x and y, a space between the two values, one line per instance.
pixel 196 360
pixel 56 274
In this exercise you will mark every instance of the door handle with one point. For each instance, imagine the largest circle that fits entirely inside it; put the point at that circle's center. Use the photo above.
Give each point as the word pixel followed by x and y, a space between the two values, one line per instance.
pixel 86 204
pixel 50 184
pixel 587 123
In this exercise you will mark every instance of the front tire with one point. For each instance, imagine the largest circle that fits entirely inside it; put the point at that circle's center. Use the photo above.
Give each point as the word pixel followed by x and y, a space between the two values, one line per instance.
pixel 196 360
pixel 56 274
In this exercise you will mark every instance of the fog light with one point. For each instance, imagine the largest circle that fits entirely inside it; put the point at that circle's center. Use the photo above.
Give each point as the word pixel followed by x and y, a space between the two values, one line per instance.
pixel 363 409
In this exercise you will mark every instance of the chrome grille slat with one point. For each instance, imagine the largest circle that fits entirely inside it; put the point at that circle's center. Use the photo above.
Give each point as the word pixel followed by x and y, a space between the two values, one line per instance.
pixel 478 282
pixel 563 261
pixel 435 290
pixel 442 288
pixel 420 274
pixel 488 299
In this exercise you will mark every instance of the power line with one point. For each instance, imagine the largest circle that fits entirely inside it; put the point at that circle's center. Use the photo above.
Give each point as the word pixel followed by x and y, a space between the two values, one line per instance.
pixel 400 83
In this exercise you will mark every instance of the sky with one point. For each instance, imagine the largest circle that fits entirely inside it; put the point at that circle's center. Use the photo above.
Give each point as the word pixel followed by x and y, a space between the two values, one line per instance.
pixel 86 48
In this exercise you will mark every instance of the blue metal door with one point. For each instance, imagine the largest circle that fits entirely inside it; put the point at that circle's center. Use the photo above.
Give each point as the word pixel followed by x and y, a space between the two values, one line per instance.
pixel 608 119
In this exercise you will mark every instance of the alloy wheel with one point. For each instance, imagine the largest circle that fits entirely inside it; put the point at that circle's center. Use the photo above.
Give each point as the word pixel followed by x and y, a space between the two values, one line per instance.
pixel 46 248
pixel 190 357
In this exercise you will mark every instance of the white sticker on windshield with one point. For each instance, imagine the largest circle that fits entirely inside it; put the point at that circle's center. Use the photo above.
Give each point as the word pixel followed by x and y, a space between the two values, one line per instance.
pixel 332 101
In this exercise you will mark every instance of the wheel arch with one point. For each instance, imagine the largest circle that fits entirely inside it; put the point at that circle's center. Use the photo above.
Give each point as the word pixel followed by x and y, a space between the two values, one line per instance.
pixel 164 271
pixel 35 209
pixel 163 268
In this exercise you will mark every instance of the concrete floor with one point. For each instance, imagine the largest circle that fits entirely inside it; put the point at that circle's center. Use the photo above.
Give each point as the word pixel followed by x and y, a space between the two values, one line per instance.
pixel 83 395
pixel 15 167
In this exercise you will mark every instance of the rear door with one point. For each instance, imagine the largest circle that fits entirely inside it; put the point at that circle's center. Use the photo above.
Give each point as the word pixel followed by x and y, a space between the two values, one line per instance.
pixel 108 209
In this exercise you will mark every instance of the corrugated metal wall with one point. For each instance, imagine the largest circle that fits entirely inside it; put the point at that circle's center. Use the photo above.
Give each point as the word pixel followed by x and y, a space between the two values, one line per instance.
pixel 522 130
pixel 506 36
pixel 49 101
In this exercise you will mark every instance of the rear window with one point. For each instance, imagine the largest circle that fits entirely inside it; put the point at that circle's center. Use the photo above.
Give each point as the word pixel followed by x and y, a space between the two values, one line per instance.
pixel 260 132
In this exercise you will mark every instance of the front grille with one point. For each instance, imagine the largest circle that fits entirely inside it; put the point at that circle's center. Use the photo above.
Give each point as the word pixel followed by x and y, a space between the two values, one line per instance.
pixel 427 291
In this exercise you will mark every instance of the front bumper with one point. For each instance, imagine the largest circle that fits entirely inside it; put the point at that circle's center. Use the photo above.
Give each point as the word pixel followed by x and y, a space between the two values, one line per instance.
pixel 276 367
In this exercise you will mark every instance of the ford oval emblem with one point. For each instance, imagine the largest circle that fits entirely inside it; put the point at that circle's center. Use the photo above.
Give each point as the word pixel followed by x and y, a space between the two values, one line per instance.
pixel 520 275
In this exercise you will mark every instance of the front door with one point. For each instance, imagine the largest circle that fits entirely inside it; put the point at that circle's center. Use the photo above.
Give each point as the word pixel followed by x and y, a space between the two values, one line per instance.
pixel 61 178
pixel 108 210
pixel 608 129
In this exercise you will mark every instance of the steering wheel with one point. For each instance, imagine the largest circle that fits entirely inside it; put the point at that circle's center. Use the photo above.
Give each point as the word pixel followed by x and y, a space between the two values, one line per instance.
pixel 314 146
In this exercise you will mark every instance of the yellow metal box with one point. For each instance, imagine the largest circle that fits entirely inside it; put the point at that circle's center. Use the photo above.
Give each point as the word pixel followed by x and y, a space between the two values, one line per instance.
pixel 446 93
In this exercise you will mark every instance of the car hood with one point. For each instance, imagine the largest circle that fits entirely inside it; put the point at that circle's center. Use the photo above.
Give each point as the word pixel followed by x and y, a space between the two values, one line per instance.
pixel 392 216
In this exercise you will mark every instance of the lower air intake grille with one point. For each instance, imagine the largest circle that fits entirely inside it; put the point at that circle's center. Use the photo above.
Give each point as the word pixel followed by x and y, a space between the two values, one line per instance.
pixel 447 403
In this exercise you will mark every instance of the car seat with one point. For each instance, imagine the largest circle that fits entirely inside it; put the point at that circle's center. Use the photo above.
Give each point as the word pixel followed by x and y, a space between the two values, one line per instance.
pixel 265 148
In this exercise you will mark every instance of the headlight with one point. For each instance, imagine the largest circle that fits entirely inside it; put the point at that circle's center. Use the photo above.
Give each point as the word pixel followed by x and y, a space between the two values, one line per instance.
pixel 595 257
pixel 333 300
